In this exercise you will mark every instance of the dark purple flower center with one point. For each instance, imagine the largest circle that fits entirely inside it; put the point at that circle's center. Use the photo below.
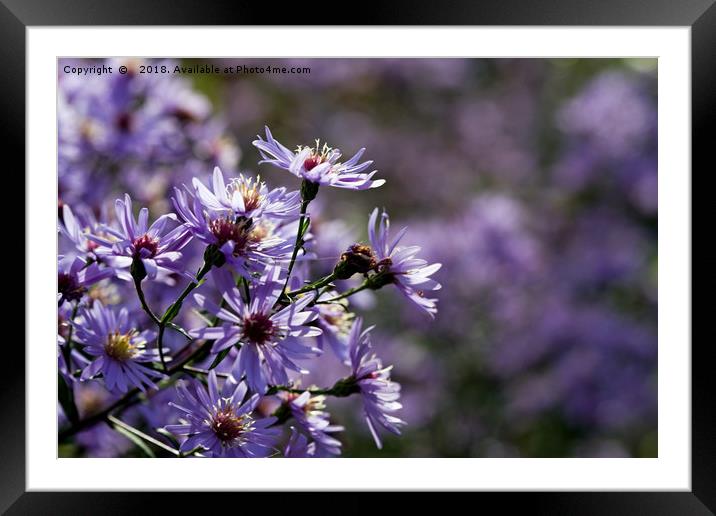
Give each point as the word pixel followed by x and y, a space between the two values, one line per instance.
pixel 183 115
pixel 229 427
pixel 124 122
pixel 69 288
pixel 145 242
pixel 312 162
pixel 258 328
pixel 228 230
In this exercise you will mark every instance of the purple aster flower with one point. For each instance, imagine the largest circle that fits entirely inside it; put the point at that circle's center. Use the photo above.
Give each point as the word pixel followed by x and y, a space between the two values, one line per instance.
pixel 247 197
pixel 158 252
pixel 118 347
pixel 398 264
pixel 269 343
pixel 335 320
pixel 221 421
pixel 308 412
pixel 74 275
pixel 247 245
pixel 318 164
pixel 380 395
pixel 298 446
pixel 78 227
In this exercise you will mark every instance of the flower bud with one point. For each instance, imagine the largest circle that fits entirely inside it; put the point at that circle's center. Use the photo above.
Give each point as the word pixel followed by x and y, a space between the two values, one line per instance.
pixel 358 259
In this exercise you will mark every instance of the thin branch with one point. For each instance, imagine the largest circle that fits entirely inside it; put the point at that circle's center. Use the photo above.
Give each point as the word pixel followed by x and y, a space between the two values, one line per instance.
pixel 128 428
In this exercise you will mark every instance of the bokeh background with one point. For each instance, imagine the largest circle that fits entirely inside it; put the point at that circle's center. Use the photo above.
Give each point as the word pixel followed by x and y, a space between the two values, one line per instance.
pixel 534 182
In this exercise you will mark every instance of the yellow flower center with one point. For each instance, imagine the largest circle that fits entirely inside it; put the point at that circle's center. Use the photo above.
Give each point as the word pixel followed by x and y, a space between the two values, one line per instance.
pixel 120 346
pixel 249 189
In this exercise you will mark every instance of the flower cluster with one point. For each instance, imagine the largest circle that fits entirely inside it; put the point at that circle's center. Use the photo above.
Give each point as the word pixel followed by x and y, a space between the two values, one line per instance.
pixel 259 322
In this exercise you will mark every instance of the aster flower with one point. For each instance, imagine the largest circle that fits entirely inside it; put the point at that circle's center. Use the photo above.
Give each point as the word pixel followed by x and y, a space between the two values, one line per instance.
pixel 318 164
pixel 335 320
pixel 74 276
pixel 298 446
pixel 399 266
pixel 308 412
pixel 245 244
pixel 380 395
pixel 247 197
pixel 118 347
pixel 268 340
pixel 77 228
pixel 149 245
pixel 221 421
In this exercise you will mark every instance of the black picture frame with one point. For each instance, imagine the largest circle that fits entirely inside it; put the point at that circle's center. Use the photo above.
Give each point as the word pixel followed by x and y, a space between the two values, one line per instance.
pixel 700 15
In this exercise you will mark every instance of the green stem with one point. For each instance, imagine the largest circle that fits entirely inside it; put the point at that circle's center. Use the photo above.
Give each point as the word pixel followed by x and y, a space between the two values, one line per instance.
pixel 174 308
pixel 345 294
pixel 143 301
pixel 342 388
pixel 299 242
pixel 160 346
pixel 198 370
pixel 247 294
pixel 67 349
pixel 313 286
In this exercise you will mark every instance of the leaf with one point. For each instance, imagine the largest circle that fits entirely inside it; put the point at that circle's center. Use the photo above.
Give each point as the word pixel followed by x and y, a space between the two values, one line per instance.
pixel 171 312
pixel 181 330
pixel 67 400
pixel 219 358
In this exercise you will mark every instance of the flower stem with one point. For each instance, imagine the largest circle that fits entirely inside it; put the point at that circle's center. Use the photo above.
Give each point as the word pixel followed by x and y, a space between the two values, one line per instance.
pixel 345 294
pixel 67 349
pixel 313 286
pixel 143 301
pixel 299 241
pixel 138 433
pixel 342 388
pixel 174 308
pixel 198 370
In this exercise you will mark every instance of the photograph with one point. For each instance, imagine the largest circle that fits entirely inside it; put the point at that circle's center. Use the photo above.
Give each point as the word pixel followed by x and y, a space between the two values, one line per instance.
pixel 411 257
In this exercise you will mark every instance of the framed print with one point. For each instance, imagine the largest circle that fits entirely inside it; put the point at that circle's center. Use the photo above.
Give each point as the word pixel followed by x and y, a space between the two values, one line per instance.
pixel 228 283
